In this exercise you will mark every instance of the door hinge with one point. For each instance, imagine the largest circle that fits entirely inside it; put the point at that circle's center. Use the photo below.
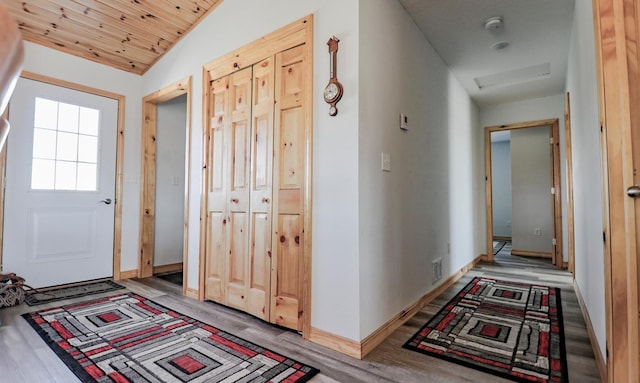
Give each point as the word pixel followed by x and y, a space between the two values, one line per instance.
pixel 604 236
pixel 553 191
pixel 551 140
pixel 554 242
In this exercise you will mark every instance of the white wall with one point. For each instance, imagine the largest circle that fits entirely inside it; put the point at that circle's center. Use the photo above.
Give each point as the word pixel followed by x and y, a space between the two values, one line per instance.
pixel 501 187
pixel 170 188
pixel 409 215
pixel 52 63
pixel 587 177
pixel 335 285
pixel 523 111
pixel 530 190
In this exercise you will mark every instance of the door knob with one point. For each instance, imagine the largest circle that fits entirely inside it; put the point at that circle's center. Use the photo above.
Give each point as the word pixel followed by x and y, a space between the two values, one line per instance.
pixel 634 191
pixel 106 201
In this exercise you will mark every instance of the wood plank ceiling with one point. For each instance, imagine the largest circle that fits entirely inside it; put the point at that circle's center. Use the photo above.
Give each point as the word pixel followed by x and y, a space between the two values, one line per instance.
pixel 126 34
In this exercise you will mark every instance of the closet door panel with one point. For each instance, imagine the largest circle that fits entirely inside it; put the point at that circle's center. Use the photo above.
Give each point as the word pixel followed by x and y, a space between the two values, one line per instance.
pixel 260 285
pixel 236 266
pixel 261 188
pixel 292 149
pixel 216 188
pixel 288 281
pixel 289 176
pixel 238 193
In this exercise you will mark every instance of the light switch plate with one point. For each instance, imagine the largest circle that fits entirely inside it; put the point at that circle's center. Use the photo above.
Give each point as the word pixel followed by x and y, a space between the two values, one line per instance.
pixel 386 162
pixel 404 122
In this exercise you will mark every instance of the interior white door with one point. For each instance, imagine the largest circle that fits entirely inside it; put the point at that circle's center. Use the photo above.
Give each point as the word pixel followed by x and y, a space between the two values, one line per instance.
pixel 60 185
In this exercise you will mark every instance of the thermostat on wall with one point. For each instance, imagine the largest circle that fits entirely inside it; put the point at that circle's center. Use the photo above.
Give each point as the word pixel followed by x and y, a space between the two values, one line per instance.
pixel 404 122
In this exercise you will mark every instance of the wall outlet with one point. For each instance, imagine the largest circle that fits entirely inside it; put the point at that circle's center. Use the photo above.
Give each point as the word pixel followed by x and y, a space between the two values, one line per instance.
pixel 436 270
pixel 537 232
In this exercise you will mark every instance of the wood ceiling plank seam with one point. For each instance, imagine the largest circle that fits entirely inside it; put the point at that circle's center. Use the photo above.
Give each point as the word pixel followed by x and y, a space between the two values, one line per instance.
pixel 120 64
pixel 160 32
pixel 179 17
pixel 106 33
pixel 116 22
pixel 117 33
pixel 215 5
pixel 34 34
pixel 206 4
pixel 198 8
pixel 160 18
pixel 109 13
pixel 98 44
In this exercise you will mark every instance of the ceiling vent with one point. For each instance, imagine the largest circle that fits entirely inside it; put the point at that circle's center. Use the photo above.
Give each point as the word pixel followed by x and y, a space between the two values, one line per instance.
pixel 517 76
pixel 500 45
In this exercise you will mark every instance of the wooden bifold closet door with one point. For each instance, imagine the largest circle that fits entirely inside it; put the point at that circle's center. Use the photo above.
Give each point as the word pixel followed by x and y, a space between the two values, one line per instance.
pixel 256 174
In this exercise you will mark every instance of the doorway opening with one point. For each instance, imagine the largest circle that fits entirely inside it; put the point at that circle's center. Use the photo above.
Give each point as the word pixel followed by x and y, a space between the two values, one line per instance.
pixel 165 183
pixel 522 180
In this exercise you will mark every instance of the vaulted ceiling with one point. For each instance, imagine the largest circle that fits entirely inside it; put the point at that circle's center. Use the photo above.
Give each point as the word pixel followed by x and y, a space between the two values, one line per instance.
pixel 126 34
pixel 133 34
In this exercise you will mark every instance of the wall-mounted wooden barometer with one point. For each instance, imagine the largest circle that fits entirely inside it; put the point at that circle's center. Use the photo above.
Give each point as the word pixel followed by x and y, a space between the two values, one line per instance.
pixel 333 90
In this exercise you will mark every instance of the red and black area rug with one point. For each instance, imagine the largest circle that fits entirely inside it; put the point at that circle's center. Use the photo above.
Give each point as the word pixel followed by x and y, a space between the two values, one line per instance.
pixel 512 330
pixel 128 338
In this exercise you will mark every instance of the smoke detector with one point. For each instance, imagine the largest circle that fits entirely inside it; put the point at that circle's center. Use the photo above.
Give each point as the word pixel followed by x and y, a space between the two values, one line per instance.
pixel 493 23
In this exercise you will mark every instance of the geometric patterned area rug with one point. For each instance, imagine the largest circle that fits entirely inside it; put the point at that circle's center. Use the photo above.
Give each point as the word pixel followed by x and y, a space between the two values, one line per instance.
pixel 513 330
pixel 40 296
pixel 128 338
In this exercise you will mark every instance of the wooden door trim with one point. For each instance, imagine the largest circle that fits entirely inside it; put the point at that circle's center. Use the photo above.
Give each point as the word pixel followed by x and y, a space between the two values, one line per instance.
pixel 148 177
pixel 297 33
pixel 117 223
pixel 617 33
pixel 571 241
pixel 555 174
pixel 558 258
pixel 3 172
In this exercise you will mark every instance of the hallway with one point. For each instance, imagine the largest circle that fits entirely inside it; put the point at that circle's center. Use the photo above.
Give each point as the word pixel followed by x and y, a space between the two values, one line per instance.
pixel 387 363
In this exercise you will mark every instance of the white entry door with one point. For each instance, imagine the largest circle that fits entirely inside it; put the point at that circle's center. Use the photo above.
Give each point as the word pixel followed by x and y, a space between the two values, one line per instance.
pixel 60 185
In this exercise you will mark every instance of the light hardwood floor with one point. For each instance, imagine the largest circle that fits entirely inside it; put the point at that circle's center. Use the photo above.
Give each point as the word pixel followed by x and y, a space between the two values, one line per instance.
pixel 25 358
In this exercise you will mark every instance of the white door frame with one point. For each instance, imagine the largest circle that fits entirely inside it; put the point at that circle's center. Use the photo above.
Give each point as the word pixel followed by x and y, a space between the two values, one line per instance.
pixel 117 221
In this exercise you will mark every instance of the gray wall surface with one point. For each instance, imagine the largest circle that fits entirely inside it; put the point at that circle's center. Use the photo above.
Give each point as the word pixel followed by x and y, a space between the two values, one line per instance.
pixel 531 189
pixel 501 187
pixel 170 188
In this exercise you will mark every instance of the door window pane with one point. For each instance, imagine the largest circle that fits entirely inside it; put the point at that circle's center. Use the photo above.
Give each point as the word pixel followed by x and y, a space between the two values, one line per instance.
pixel 65 147
pixel 65 175
pixel 46 115
pixel 68 117
pixel 44 144
pixel 89 121
pixel 42 174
